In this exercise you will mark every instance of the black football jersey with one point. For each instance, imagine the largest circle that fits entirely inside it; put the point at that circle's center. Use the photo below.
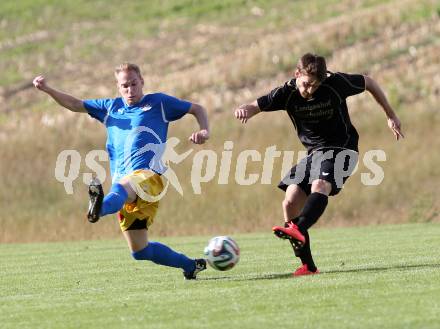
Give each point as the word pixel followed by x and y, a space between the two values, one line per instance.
pixel 323 120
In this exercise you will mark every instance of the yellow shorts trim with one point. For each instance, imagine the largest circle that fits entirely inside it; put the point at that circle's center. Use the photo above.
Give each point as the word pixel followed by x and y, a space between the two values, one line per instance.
pixel 147 185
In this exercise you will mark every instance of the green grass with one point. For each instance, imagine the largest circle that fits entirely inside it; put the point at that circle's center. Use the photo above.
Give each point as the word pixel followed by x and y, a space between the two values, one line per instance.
pixel 26 16
pixel 372 277
pixel 74 29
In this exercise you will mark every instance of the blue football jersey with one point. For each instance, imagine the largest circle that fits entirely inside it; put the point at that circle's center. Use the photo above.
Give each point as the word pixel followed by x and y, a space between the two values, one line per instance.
pixel 136 134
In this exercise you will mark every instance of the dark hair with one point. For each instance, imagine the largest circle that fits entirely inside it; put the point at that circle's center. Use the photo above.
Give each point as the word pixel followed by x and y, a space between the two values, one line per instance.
pixel 312 64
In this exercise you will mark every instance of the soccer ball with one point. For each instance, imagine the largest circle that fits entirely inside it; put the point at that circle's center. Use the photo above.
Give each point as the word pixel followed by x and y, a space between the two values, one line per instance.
pixel 222 253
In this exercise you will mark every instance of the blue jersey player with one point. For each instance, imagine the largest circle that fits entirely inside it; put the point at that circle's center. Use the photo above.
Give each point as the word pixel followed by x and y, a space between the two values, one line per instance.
pixel 137 126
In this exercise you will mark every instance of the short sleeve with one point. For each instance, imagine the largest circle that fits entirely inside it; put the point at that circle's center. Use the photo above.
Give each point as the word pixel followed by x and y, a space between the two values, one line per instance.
pixel 174 108
pixel 277 99
pixel 97 108
pixel 348 84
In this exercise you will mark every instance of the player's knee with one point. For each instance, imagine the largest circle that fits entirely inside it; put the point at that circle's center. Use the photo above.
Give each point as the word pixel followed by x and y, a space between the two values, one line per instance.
pixel 287 203
pixel 142 254
pixel 321 186
pixel 131 193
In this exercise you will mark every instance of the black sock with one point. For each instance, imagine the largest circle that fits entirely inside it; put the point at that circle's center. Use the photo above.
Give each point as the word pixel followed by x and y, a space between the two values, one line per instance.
pixel 313 209
pixel 304 253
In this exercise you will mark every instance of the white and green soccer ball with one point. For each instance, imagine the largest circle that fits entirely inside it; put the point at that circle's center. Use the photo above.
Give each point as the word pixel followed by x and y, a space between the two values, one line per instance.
pixel 222 253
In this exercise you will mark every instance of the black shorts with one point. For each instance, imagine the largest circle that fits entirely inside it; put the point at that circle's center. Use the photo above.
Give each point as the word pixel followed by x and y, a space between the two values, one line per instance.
pixel 138 225
pixel 333 165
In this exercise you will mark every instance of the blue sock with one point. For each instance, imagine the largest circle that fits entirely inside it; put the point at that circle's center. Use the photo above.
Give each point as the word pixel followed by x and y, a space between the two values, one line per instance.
pixel 161 254
pixel 114 200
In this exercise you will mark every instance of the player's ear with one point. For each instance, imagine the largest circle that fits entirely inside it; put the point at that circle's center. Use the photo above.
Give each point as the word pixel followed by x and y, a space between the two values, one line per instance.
pixel 297 73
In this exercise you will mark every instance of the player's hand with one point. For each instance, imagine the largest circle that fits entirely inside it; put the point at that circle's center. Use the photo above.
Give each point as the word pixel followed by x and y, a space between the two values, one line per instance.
pixel 40 83
pixel 242 113
pixel 199 137
pixel 396 127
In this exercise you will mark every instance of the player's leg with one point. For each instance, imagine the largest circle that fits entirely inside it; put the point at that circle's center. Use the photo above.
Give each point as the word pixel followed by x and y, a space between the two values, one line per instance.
pixel 100 205
pixel 296 186
pixel 141 249
pixel 158 253
pixel 315 204
pixel 296 230
pixel 136 217
pixel 331 174
pixel 293 204
pixel 137 239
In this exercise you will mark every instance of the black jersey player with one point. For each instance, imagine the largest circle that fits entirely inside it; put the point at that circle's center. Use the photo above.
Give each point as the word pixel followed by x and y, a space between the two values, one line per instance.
pixel 315 100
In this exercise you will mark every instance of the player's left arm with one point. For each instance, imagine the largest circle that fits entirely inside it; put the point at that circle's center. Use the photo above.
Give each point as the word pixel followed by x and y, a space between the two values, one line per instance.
pixel 199 112
pixel 393 121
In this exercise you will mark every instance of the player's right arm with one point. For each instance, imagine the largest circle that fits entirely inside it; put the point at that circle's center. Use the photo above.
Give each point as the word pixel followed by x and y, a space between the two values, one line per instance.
pixel 276 100
pixel 246 111
pixel 69 102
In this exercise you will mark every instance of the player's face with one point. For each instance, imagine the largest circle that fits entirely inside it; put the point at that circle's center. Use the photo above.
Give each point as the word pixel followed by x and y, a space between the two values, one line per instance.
pixel 306 84
pixel 130 86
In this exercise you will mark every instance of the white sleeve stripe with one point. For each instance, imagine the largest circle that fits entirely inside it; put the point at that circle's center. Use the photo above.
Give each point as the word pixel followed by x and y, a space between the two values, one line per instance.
pixel 352 85
pixel 105 119
pixel 163 113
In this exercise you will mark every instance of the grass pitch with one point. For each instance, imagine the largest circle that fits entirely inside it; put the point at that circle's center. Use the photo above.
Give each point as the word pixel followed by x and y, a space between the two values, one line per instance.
pixel 372 277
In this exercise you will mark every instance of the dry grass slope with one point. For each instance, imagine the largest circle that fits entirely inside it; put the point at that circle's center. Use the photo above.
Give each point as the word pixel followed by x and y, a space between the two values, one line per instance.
pixel 220 57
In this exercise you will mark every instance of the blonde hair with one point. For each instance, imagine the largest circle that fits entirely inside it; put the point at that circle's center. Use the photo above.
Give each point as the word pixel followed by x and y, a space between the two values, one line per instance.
pixel 124 67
